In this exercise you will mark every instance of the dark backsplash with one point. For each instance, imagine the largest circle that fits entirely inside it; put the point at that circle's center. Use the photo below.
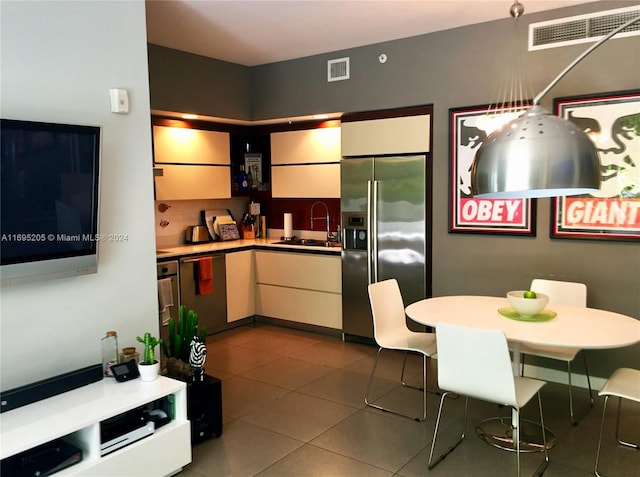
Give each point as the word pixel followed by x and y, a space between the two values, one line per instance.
pixel 301 210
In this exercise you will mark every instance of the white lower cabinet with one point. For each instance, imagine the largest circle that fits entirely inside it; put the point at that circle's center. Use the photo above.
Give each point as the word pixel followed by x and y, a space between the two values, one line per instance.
pixel 241 280
pixel 76 415
pixel 299 287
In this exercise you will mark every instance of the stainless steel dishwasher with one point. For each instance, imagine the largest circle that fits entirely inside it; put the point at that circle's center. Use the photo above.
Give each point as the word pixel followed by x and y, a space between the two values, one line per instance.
pixel 211 308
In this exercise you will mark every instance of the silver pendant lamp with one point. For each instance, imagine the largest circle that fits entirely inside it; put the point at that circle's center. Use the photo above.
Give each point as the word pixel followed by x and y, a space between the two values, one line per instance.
pixel 539 154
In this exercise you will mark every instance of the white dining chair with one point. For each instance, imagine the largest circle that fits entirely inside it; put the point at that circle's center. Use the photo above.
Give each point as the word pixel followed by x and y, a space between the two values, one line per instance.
pixel 624 383
pixel 475 363
pixel 569 293
pixel 391 332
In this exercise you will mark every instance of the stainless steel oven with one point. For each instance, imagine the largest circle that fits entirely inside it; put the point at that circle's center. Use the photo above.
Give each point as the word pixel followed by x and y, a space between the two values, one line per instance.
pixel 169 269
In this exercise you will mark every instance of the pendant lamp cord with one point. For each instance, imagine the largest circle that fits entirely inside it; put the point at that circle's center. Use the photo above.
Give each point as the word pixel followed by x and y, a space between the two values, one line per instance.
pixel 537 99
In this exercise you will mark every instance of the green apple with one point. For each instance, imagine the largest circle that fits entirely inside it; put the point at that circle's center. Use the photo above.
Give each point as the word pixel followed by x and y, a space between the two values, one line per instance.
pixel 529 294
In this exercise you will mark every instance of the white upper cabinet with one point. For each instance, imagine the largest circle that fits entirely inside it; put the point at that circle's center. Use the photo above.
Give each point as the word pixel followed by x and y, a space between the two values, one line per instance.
pixel 190 146
pixel 401 135
pixel 194 163
pixel 309 146
pixel 192 181
pixel 306 181
pixel 306 163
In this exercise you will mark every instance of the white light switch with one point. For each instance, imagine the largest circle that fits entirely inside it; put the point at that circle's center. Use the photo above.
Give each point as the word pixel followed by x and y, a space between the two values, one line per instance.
pixel 119 101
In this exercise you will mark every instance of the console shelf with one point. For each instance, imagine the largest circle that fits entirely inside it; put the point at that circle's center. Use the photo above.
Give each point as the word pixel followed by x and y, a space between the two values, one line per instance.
pixel 76 416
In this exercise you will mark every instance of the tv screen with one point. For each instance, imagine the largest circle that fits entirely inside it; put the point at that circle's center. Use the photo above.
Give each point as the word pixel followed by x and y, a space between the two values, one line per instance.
pixel 49 192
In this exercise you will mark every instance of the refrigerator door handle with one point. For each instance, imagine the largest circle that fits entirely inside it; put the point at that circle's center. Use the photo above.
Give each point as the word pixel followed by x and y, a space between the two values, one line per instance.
pixel 373 231
pixel 369 267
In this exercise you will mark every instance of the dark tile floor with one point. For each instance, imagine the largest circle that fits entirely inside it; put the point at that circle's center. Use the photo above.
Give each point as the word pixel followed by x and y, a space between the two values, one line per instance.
pixel 293 406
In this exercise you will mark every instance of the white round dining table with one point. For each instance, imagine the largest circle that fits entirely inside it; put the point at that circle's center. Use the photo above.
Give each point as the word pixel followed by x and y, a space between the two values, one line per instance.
pixel 572 327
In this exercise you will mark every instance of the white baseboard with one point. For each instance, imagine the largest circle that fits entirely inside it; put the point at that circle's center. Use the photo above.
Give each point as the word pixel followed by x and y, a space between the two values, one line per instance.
pixel 560 376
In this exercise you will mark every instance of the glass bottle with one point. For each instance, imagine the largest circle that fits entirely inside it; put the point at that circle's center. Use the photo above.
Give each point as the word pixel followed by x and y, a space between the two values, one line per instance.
pixel 243 180
pixel 109 352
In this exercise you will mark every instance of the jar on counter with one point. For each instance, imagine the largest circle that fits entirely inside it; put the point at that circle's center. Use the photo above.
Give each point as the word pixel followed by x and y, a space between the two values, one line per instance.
pixel 109 353
pixel 129 353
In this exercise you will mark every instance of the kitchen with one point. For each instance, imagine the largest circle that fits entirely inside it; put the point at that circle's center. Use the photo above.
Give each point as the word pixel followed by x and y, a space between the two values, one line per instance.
pixel 458 268
pixel 311 154
pixel 611 270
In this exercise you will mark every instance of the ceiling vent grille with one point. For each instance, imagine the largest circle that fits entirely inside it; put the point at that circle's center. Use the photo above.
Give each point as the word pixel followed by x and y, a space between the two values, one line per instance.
pixel 582 28
pixel 338 69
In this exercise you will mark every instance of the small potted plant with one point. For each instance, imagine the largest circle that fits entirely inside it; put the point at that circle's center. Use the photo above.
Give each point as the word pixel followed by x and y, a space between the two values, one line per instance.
pixel 149 367
pixel 182 331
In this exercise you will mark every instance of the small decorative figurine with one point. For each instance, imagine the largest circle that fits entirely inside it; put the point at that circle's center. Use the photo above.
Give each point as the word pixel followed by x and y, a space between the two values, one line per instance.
pixel 197 357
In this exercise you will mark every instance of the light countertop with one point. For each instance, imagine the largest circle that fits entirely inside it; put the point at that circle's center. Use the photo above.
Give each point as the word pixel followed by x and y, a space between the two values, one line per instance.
pixel 242 244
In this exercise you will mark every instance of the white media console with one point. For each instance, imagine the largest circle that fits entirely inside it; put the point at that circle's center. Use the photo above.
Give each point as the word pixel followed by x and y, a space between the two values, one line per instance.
pixel 76 416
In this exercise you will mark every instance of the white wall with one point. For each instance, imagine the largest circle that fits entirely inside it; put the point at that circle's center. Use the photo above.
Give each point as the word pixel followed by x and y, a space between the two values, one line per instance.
pixel 59 59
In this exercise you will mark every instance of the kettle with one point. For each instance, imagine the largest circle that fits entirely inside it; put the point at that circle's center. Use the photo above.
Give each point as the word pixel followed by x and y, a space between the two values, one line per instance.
pixel 197 234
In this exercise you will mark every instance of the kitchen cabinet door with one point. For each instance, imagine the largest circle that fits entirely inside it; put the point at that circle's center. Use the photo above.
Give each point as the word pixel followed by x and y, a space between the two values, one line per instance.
pixel 179 182
pixel 241 284
pixel 190 146
pixel 194 163
pixel 300 306
pixel 306 181
pixel 299 287
pixel 402 135
pixel 306 163
pixel 307 146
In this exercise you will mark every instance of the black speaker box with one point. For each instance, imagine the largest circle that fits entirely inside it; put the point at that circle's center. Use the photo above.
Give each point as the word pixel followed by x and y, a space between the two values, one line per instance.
pixel 204 408
pixel 50 387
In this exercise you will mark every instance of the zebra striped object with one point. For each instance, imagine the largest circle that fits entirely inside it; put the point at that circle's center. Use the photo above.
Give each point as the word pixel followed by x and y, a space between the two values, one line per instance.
pixel 197 357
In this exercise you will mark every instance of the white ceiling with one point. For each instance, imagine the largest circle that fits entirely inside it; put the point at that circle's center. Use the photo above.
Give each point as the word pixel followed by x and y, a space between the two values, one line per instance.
pixel 249 32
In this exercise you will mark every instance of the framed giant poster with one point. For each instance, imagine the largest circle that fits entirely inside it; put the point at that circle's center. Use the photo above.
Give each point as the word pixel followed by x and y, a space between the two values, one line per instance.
pixel 612 120
pixel 469 127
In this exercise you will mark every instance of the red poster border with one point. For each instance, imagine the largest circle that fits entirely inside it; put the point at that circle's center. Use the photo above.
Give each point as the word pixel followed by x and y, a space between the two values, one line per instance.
pixel 560 231
pixel 528 227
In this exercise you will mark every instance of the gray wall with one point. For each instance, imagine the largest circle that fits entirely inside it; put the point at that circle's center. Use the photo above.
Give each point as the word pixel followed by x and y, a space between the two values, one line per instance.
pixel 464 67
pixel 188 83
pixel 59 60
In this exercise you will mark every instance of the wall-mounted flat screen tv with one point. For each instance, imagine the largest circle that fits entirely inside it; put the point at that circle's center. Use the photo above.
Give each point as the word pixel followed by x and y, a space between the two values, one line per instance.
pixel 49 194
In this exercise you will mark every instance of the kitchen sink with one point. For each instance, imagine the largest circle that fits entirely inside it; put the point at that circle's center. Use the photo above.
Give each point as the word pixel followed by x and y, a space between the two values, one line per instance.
pixel 308 243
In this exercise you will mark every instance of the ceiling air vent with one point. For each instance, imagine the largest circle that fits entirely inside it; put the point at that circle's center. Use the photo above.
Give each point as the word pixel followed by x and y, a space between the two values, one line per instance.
pixel 582 28
pixel 338 69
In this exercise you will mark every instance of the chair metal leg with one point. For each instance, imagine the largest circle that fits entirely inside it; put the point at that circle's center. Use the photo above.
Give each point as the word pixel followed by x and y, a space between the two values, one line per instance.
pixel 621 442
pixel 586 371
pixel 575 421
pixel 604 411
pixel 516 438
pixel 545 462
pixel 404 365
pixel 431 464
pixel 381 408
pixel 424 382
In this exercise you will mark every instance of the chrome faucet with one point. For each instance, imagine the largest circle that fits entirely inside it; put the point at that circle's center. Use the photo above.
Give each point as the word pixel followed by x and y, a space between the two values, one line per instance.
pixel 329 234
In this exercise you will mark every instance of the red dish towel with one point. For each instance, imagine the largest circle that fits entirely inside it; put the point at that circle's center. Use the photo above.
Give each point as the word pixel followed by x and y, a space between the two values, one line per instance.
pixel 205 276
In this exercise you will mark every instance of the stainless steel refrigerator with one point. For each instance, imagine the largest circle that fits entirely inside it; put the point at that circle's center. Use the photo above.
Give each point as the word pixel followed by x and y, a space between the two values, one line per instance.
pixel 386 234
